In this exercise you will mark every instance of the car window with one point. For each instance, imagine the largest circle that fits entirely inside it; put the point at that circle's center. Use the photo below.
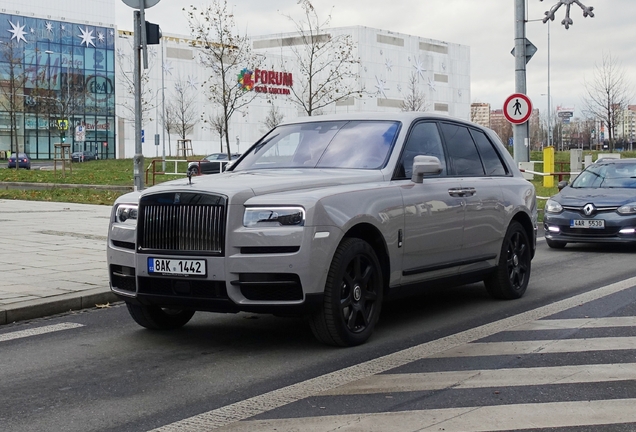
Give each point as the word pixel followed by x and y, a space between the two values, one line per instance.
pixel 462 153
pixel 489 156
pixel 423 139
pixel 327 144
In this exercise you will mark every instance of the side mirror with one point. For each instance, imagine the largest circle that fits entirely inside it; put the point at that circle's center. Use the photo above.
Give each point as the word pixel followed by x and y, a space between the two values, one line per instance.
pixel 562 184
pixel 425 166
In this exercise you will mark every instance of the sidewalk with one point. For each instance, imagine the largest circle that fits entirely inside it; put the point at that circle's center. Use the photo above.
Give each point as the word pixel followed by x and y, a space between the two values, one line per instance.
pixel 53 258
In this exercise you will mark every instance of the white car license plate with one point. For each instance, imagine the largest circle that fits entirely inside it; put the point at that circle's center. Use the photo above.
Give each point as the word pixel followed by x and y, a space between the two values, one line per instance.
pixel 587 223
pixel 179 267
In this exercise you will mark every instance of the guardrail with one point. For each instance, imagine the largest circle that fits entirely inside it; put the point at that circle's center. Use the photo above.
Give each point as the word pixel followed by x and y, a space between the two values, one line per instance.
pixel 152 168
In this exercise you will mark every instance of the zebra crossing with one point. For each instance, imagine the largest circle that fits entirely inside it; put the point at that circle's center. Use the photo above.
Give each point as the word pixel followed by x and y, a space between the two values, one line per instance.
pixel 558 367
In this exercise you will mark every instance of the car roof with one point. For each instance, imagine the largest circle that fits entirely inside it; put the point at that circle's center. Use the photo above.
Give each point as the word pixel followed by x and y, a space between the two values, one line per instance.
pixel 608 161
pixel 405 117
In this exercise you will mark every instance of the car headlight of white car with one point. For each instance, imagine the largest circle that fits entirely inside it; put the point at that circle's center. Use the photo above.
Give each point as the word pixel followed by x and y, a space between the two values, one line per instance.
pixel 627 209
pixel 126 213
pixel 273 217
pixel 553 206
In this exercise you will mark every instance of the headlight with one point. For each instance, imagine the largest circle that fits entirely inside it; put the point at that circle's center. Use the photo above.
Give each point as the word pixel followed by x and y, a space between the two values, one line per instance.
pixel 126 212
pixel 553 207
pixel 627 209
pixel 273 216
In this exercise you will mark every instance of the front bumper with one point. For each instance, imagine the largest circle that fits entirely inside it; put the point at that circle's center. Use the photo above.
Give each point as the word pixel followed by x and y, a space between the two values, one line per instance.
pixel 277 271
pixel 618 229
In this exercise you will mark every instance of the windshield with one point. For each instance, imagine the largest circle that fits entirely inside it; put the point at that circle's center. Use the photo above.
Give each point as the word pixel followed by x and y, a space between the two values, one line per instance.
pixel 361 144
pixel 620 175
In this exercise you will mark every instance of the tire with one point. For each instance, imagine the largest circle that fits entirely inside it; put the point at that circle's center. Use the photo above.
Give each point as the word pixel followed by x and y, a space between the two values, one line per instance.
pixel 352 298
pixel 510 279
pixel 555 244
pixel 156 318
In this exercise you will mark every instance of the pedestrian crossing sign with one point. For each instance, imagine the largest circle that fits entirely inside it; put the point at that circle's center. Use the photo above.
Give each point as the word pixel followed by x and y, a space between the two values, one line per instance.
pixel 62 124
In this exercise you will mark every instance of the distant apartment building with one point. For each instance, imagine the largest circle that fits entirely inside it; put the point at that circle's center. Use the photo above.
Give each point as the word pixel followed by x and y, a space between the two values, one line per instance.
pixel 626 127
pixel 480 113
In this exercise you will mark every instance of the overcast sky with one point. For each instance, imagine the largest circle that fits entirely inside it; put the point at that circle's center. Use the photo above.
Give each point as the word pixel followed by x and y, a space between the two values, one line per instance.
pixel 487 26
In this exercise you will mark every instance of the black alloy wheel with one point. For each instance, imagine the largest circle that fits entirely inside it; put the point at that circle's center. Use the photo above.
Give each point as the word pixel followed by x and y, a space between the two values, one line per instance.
pixel 510 279
pixel 353 296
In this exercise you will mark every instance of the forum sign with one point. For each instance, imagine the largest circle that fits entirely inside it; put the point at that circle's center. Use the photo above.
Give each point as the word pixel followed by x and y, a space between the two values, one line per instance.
pixel 265 81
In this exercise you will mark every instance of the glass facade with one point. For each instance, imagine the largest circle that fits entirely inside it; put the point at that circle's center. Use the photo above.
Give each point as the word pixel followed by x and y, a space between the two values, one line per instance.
pixel 57 84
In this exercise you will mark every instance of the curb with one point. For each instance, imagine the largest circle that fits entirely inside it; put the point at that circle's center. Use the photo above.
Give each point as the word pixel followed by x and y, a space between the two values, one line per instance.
pixel 45 307
pixel 45 186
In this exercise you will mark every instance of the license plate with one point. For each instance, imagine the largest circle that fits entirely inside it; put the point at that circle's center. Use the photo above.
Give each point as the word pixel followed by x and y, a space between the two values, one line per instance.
pixel 178 267
pixel 587 223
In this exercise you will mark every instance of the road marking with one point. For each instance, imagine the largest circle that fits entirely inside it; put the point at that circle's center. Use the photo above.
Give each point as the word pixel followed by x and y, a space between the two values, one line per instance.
pixel 470 379
pixel 540 346
pixel 38 331
pixel 478 419
pixel 578 323
pixel 268 401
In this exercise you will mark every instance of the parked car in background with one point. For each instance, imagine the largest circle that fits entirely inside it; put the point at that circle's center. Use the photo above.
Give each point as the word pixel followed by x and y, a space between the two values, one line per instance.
pixel 598 207
pixel 325 216
pixel 83 156
pixel 211 164
pixel 24 161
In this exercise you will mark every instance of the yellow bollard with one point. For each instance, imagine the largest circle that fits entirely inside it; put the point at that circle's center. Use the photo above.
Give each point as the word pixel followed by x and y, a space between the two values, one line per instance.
pixel 548 166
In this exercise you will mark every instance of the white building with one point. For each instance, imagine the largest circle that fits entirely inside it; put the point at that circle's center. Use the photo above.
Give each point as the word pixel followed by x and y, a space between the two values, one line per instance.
pixel 387 61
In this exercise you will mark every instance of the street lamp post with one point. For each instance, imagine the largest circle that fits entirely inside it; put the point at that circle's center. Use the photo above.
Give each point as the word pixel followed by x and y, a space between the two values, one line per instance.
pixel 157 124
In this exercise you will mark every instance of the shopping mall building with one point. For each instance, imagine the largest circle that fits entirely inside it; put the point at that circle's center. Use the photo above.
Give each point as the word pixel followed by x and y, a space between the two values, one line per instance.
pixel 57 75
pixel 79 66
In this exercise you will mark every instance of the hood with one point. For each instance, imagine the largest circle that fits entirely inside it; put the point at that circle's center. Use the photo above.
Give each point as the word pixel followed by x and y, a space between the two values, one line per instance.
pixel 600 197
pixel 242 185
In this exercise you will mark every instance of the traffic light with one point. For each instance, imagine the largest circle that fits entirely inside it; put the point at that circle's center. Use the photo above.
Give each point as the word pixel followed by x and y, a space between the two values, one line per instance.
pixel 63 136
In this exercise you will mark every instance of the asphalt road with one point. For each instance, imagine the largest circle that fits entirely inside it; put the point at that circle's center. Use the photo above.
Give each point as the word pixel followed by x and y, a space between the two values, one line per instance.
pixel 98 371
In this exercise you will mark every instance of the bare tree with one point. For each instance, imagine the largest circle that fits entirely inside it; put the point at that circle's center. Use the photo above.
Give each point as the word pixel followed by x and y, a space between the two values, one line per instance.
pixel 169 124
pixel 274 117
pixel 183 107
pixel 327 64
pixel 225 53
pixel 414 99
pixel 12 90
pixel 217 123
pixel 607 94
pixel 125 63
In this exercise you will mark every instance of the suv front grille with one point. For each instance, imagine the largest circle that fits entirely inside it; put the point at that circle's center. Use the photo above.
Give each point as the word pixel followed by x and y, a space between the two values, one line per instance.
pixel 182 222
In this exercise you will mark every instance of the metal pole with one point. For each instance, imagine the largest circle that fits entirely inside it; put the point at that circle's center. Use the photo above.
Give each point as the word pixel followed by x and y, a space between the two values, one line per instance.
pixel 138 160
pixel 549 100
pixel 520 132
pixel 163 111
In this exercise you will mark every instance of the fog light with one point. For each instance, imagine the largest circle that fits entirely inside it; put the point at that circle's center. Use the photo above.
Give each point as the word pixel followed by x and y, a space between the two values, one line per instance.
pixel 554 229
pixel 628 231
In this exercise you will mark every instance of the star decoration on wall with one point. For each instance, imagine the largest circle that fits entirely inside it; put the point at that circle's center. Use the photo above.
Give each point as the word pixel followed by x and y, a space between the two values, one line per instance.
pixel 32 30
pixel 381 86
pixel 87 36
pixel 192 82
pixel 167 67
pixel 49 27
pixel 389 64
pixel 111 33
pixel 101 37
pixel 17 32
pixel 63 27
pixel 419 67
pixel 567 21
pixel 120 52
pixel 431 84
pixel 443 66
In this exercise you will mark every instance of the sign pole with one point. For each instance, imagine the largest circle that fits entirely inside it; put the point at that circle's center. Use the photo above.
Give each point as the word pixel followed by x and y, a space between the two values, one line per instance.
pixel 139 157
pixel 520 131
